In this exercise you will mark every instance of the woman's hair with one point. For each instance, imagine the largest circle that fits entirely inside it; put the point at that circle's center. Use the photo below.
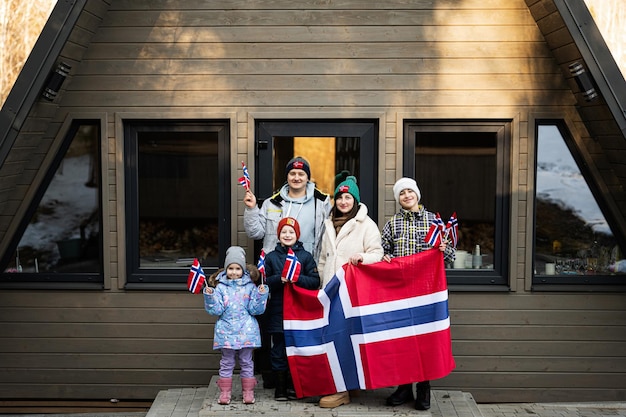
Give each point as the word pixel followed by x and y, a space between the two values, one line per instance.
pixel 335 213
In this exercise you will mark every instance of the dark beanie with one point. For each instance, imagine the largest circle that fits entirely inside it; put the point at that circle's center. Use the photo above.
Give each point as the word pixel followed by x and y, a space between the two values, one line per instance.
pixel 298 163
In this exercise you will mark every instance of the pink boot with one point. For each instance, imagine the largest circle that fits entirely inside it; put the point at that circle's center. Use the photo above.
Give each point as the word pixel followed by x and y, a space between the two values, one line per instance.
pixel 247 388
pixel 226 386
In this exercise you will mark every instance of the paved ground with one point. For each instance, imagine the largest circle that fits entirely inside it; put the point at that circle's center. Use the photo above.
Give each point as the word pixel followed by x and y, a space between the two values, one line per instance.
pixel 202 402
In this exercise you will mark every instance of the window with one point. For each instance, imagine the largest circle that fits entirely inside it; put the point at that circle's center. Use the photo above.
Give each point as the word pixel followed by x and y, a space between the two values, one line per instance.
pixel 574 242
pixel 60 240
pixel 178 198
pixel 330 146
pixel 463 167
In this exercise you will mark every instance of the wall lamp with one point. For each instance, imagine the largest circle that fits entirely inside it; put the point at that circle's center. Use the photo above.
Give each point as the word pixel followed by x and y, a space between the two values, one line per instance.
pixel 585 85
pixel 55 80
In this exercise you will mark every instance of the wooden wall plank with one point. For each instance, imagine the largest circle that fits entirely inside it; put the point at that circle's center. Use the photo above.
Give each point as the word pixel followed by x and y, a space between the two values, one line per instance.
pixel 315 82
pixel 329 34
pixel 319 50
pixel 448 99
pixel 280 66
pixel 470 59
pixel 313 17
pixel 336 4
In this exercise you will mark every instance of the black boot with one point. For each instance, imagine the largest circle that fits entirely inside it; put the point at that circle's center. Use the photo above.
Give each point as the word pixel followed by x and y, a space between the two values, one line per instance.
pixel 268 379
pixel 291 391
pixel 280 382
pixel 422 395
pixel 403 394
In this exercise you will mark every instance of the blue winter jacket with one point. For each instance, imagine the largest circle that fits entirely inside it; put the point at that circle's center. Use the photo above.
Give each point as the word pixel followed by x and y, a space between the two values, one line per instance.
pixel 274 262
pixel 236 301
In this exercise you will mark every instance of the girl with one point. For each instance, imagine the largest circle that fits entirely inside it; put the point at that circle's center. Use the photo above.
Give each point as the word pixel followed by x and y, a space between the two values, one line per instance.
pixel 236 299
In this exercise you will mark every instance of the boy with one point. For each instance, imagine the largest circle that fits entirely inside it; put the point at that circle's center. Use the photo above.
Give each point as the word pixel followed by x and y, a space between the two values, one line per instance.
pixel 403 235
pixel 307 276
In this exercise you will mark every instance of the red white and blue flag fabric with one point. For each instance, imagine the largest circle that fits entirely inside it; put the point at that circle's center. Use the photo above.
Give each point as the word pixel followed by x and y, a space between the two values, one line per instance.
pixel 371 326
pixel 435 232
pixel 291 270
pixel 245 180
pixel 261 266
pixel 196 278
pixel 452 230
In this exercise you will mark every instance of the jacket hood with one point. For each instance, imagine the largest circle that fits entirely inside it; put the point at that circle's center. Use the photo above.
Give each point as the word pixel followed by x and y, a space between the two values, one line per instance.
pixel 362 213
pixel 310 193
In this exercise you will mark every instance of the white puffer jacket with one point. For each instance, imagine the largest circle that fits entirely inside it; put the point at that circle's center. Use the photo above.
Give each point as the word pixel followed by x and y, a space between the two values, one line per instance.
pixel 358 235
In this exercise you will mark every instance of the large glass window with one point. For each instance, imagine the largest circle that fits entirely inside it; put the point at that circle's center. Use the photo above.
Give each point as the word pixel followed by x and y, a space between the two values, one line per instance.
pixel 330 146
pixel 327 156
pixel 60 240
pixel 178 191
pixel 463 167
pixel 574 242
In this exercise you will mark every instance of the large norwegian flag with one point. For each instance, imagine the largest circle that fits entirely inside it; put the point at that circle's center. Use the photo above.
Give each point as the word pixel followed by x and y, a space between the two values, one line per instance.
pixel 371 326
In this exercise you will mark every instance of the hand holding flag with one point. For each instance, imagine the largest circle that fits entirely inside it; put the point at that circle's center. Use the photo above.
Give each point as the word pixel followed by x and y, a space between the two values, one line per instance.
pixel 196 278
pixel 245 180
pixel 291 270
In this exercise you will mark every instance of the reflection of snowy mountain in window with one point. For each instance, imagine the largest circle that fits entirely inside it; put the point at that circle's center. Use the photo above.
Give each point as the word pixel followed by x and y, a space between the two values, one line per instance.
pixel 67 203
pixel 559 180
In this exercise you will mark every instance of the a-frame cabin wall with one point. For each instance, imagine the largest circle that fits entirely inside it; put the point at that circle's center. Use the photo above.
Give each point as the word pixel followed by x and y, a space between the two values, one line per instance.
pixel 243 61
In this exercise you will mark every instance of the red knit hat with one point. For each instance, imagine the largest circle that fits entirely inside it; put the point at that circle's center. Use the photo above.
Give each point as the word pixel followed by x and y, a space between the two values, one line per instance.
pixel 289 221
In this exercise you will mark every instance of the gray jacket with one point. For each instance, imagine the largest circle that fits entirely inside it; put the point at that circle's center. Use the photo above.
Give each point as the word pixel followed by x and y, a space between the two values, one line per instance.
pixel 261 223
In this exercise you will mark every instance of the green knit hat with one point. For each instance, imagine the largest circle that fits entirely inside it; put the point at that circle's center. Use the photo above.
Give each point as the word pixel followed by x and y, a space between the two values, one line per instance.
pixel 349 186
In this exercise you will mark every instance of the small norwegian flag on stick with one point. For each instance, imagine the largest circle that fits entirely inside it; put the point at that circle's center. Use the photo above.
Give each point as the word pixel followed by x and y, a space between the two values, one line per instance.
pixel 291 270
pixel 196 278
pixel 261 266
pixel 452 230
pixel 245 180
pixel 435 233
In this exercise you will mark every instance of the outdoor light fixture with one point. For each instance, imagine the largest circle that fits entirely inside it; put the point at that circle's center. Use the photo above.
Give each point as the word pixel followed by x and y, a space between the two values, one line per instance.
pixel 583 80
pixel 55 80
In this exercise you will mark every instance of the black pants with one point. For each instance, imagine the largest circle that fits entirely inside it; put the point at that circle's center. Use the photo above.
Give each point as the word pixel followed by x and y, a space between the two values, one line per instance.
pixel 278 353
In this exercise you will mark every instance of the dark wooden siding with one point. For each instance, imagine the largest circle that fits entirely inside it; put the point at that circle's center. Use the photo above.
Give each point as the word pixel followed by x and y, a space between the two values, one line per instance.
pixel 237 59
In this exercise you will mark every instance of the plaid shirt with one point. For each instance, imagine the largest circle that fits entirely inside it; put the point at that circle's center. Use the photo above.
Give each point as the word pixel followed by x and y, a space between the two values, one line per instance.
pixel 404 233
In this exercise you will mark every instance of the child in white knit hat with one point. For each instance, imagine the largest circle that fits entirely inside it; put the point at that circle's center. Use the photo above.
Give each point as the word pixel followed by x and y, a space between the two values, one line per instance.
pixel 403 235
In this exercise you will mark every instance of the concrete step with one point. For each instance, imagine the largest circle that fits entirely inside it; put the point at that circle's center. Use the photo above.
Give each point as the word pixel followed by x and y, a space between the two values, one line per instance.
pixel 202 402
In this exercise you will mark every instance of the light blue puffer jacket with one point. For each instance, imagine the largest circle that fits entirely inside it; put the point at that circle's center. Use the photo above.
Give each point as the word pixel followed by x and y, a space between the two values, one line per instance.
pixel 236 302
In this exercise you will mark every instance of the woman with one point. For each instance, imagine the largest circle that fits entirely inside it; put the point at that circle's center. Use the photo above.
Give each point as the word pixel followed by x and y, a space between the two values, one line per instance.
pixel 350 235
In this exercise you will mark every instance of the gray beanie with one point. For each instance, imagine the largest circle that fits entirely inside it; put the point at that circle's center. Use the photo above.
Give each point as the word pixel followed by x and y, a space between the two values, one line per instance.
pixel 235 255
pixel 403 184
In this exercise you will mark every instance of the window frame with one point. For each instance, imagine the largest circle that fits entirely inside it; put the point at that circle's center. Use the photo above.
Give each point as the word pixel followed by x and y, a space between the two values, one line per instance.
pixel 171 279
pixel 541 282
pixel 63 280
pixel 364 129
pixel 497 279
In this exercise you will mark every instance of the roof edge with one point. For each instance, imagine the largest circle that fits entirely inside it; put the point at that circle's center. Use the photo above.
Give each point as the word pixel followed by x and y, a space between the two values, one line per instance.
pixel 32 77
pixel 597 56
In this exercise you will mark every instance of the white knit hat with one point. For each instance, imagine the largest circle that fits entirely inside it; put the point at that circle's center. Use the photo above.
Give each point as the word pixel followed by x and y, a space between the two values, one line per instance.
pixel 403 184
